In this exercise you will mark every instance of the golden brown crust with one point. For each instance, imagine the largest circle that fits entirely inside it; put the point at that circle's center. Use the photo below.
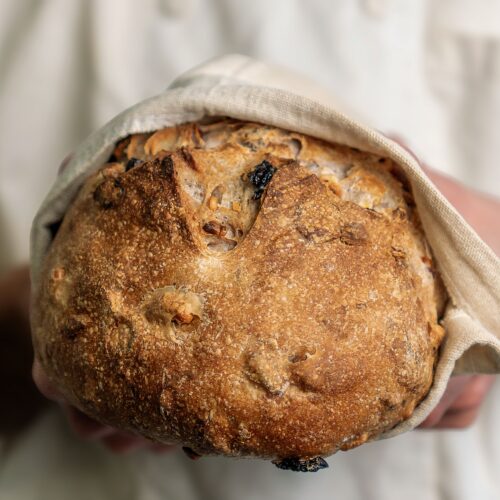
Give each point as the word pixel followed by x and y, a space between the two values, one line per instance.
pixel 241 290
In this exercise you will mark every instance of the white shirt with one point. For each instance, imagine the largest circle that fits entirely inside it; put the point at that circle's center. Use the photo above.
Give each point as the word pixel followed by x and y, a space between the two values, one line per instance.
pixel 427 70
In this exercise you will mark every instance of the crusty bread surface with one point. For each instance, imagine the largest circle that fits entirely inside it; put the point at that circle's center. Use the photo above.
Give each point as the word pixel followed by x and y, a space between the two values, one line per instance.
pixel 241 290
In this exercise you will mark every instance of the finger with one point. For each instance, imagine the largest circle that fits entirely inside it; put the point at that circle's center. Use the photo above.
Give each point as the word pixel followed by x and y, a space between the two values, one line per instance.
pixel 455 387
pixel 473 395
pixel 127 440
pixel 464 408
pixel 43 383
pixel 160 448
pixel 123 443
pixel 86 427
pixel 459 419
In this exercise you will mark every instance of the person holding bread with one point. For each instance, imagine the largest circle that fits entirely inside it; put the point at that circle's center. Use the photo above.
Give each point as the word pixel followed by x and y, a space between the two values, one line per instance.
pixel 257 218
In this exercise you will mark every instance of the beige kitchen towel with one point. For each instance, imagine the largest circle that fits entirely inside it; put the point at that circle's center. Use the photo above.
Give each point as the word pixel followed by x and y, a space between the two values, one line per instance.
pixel 242 88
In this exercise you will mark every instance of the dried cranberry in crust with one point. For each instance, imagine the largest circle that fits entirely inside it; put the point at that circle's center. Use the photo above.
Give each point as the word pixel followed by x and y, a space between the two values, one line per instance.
pixel 261 177
pixel 300 465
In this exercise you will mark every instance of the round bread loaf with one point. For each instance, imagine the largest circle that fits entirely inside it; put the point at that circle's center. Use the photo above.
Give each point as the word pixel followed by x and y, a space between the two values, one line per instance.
pixel 242 290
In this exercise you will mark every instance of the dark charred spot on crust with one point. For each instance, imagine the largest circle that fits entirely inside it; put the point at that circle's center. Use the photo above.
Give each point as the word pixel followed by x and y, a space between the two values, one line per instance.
pixel 109 193
pixel 133 162
pixel 353 233
pixel 191 453
pixel 301 465
pixel 167 167
pixel 72 329
pixel 261 177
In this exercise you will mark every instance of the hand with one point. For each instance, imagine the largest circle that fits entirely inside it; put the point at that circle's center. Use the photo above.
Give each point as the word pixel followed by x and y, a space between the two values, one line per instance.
pixel 461 402
pixel 87 428
pixel 17 391
pixel 462 399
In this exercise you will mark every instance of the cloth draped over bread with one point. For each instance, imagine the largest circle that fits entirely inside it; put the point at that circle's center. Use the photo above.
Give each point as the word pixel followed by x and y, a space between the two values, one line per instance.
pixel 245 89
